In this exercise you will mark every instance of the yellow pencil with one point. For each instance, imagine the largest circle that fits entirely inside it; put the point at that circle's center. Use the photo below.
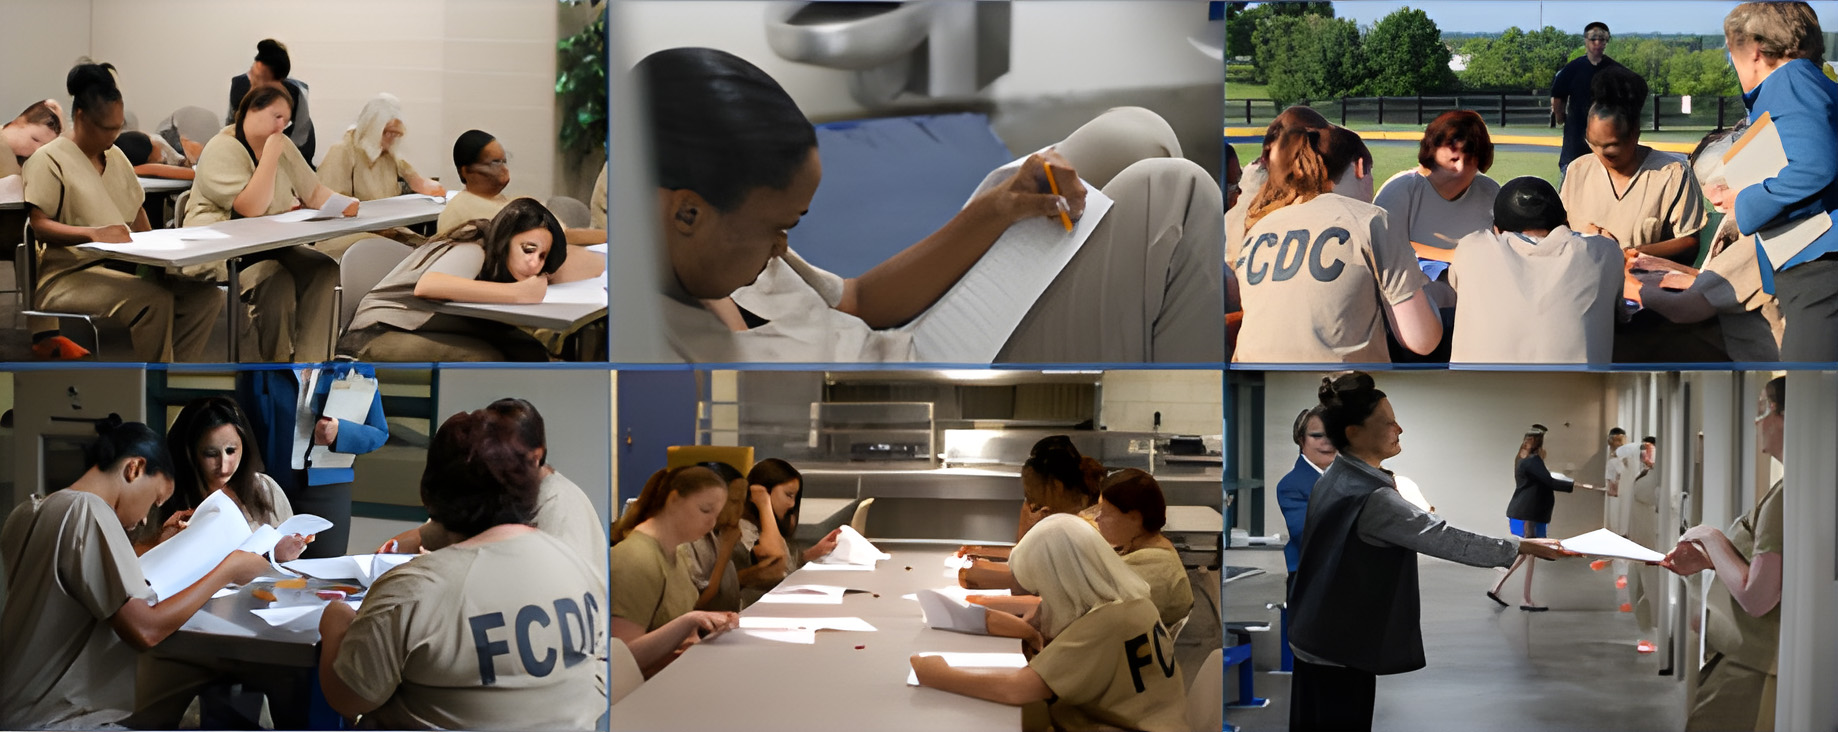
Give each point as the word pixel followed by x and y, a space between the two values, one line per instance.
pixel 1053 184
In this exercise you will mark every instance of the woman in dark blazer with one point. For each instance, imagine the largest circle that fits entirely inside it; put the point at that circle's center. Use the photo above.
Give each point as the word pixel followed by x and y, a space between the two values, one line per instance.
pixel 1529 511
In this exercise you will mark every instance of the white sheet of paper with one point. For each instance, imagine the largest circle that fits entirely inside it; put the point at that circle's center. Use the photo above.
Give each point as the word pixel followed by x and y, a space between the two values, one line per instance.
pixel 802 636
pixel 365 568
pixel 580 292
pixel 853 548
pixel 959 593
pixel 304 524
pixel 944 612
pixel 216 528
pixel 598 248
pixel 973 660
pixel 297 618
pixel 225 592
pixel 771 623
pixel 817 567
pixel 12 189
pixel 976 316
pixel 1561 476
pixel 1605 543
pixel 804 595
pixel 349 400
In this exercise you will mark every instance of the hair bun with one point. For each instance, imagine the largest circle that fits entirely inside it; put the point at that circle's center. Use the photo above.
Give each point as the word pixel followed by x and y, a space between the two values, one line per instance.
pixel 89 75
pixel 108 424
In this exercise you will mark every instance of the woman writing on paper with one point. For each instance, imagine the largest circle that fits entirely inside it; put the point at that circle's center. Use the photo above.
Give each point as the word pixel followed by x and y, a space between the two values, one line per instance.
pixel 1107 663
pixel 510 259
pixel 81 189
pixel 1529 511
pixel 364 165
pixel 216 452
pixel 499 630
pixel 715 570
pixel 1779 53
pixel 1354 606
pixel 737 168
pixel 1742 636
pixel 654 597
pixel 77 606
pixel 1330 300
pixel 251 169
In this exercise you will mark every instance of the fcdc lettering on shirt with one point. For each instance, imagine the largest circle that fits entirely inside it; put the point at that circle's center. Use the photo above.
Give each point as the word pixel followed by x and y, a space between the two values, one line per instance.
pixel 1138 653
pixel 564 628
pixel 1280 258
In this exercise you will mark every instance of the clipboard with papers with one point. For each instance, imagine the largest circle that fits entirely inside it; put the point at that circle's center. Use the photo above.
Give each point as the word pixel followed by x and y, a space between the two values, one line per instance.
pixel 1755 158
pixel 347 399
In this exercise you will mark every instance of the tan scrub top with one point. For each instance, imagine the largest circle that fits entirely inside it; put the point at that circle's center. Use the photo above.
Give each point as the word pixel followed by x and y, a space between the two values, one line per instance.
pixel 224 170
pixel 800 301
pixel 1434 221
pixel 64 184
pixel 1749 318
pixel 467 206
pixel 1662 201
pixel 650 589
pixel 505 635
pixel 1743 638
pixel 9 165
pixel 393 301
pixel 69 568
pixel 1549 301
pixel 1315 278
pixel 1114 666
pixel 565 512
pixel 346 171
pixel 1168 586
pixel 598 204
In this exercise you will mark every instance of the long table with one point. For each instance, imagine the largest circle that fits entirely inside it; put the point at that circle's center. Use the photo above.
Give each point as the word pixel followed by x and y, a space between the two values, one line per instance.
pixel 846 680
pixel 225 630
pixel 251 236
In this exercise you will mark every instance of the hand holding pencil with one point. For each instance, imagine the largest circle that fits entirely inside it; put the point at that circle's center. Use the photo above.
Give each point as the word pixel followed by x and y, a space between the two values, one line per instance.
pixel 1045 186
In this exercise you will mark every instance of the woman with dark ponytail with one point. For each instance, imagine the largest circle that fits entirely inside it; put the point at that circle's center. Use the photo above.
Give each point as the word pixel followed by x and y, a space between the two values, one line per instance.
pixel 1646 200
pixel 1529 512
pixel 77 606
pixel 1354 606
pixel 82 189
pixel 1320 270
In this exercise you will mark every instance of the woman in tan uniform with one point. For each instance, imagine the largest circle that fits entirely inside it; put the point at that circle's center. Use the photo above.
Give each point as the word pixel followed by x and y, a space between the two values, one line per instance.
pixel 1054 479
pixel 1742 635
pixel 250 169
pixel 38 124
pixel 77 606
pixel 364 165
pixel 484 170
pixel 1131 513
pixel 1107 663
pixel 81 189
pixel 498 631
pixel 654 597
pixel 513 258
pixel 1647 200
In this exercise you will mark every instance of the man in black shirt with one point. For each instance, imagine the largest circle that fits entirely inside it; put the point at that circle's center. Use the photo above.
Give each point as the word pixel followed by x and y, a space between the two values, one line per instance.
pixel 1570 91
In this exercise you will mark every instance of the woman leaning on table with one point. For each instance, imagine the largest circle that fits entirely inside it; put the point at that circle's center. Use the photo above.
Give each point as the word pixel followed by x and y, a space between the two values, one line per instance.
pixel 81 189
pixel 1354 608
pixel 1742 636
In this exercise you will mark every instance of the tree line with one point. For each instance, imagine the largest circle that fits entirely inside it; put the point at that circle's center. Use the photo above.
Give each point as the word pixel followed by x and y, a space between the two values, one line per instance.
pixel 1302 52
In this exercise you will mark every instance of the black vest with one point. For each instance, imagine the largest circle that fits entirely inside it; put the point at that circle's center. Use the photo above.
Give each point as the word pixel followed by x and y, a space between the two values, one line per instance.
pixel 1353 603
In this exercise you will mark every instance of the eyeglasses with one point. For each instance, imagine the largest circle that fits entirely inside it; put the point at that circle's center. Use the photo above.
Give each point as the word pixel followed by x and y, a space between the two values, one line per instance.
pixel 1317 435
pixel 495 164
pixel 1596 37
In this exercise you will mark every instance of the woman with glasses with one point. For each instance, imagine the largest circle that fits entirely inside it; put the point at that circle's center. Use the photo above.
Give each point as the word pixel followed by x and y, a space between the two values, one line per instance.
pixel 1743 630
pixel 1570 91
pixel 484 170
pixel 365 165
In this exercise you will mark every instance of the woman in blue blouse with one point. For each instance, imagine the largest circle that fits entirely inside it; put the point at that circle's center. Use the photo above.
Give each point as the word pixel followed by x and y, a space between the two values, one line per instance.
pixel 1779 55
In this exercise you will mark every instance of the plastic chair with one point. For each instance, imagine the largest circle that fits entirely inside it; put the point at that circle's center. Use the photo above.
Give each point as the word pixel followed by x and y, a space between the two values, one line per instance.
pixel 365 264
pixel 682 456
pixel 1205 697
pixel 859 521
pixel 571 212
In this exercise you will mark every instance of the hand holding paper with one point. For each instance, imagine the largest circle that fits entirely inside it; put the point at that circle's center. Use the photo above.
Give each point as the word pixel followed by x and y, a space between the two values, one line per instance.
pixel 1605 543
pixel 853 548
pixel 950 612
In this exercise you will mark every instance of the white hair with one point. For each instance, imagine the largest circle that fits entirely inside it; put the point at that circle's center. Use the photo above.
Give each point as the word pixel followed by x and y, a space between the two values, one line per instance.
pixel 1708 165
pixel 377 114
pixel 1065 561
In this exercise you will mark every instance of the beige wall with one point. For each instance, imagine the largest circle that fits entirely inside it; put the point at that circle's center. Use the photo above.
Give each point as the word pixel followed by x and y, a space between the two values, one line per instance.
pixel 456 65
pixel 1190 402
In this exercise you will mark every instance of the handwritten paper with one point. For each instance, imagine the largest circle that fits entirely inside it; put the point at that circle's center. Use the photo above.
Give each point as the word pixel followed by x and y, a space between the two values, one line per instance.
pixel 1605 543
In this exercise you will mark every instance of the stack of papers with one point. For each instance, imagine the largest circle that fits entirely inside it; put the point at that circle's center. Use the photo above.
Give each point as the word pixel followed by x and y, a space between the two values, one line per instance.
pixel 348 399
pixel 365 568
pixel 853 549
pixel 974 660
pixel 1605 543
pixel 952 612
pixel 216 528
pixel 804 595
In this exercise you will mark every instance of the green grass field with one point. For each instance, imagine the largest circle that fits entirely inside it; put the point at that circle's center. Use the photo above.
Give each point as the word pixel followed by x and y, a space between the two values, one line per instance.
pixel 1388 159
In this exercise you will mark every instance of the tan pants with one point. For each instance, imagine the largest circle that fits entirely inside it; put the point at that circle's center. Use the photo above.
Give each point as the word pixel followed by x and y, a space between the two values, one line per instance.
pixel 1730 696
pixel 1148 284
pixel 383 344
pixel 167 319
pixel 288 293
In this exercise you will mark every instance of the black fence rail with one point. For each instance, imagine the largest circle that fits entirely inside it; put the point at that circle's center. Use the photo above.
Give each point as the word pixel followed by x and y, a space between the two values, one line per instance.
pixel 1500 110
